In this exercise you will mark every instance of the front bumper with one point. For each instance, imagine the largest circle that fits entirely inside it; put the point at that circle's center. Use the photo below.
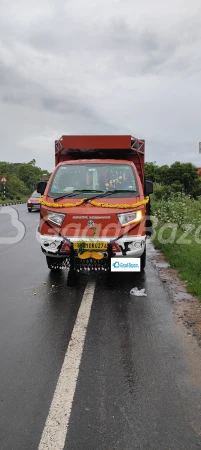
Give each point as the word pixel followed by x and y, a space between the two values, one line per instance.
pixel 131 246
pixel 33 205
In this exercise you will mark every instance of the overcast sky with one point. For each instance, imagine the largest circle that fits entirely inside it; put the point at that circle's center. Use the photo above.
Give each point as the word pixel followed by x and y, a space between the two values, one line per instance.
pixel 100 67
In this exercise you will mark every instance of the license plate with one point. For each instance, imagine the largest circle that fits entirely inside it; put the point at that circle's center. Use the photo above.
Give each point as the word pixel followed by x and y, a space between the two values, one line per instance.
pixel 91 245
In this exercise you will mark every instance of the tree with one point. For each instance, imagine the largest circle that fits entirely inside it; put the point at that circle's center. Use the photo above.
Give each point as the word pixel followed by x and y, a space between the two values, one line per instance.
pixel 4 168
pixel 179 177
pixel 22 178
pixel 187 175
pixel 151 171
pixel 15 186
pixel 163 174
pixel 32 162
pixel 29 174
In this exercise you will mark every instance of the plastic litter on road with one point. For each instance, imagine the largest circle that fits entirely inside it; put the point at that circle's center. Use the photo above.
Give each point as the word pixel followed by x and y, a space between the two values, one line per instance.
pixel 138 293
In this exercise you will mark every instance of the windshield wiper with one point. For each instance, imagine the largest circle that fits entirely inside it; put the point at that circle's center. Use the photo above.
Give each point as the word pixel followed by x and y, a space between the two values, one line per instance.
pixel 104 194
pixel 115 191
pixel 76 192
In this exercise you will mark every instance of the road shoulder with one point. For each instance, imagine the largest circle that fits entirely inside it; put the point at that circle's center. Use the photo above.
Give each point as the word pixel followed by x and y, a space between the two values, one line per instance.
pixel 187 308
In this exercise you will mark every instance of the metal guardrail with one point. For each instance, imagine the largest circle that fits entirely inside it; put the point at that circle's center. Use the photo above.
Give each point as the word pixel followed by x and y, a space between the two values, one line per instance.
pixel 10 204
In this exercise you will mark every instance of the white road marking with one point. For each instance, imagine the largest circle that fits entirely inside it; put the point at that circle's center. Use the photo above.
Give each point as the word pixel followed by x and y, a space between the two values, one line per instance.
pixel 56 426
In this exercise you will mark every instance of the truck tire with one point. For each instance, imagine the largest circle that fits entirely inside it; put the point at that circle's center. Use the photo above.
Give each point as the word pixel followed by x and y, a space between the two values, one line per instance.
pixel 29 209
pixel 110 279
pixel 71 278
pixel 143 260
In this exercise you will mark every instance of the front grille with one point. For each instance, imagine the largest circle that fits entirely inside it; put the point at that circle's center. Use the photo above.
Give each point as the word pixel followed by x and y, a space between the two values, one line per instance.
pixel 91 265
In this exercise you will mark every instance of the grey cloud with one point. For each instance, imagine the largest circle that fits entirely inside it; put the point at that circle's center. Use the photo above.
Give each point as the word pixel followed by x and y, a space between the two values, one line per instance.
pixel 149 42
pixel 69 104
pixel 15 89
pixel 44 40
pixel 139 50
pixel 66 71
pixel 19 91
pixel 167 151
pixel 8 77
pixel 14 98
pixel 133 49
pixel 65 105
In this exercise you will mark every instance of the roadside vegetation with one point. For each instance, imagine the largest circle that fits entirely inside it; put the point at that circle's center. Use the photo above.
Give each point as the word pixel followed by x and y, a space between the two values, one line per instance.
pixel 176 214
pixel 21 180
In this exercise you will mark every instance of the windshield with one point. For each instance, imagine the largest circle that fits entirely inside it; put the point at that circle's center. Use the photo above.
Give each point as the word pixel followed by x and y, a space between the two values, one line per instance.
pixel 94 177
pixel 35 194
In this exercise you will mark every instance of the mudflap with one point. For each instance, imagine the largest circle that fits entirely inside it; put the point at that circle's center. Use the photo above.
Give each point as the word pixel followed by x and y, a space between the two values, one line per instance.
pixel 149 225
pixel 71 279
pixel 55 263
pixel 110 277
pixel 143 260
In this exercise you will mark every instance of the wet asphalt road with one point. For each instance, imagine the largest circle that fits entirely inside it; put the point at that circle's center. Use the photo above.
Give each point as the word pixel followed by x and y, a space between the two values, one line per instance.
pixel 135 388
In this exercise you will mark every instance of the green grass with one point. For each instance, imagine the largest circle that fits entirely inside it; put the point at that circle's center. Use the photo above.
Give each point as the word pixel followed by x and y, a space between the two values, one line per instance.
pixel 8 200
pixel 186 258
pixel 183 213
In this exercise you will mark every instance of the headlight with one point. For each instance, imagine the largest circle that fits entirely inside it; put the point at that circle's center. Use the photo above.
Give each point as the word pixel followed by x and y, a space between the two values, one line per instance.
pixel 129 218
pixel 56 218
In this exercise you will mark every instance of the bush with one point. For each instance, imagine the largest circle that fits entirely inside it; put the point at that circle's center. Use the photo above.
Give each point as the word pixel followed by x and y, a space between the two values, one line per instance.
pixel 162 191
pixel 18 197
pixel 179 209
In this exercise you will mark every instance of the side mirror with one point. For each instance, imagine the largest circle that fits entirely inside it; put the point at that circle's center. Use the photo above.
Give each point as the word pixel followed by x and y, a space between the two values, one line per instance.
pixel 41 186
pixel 148 187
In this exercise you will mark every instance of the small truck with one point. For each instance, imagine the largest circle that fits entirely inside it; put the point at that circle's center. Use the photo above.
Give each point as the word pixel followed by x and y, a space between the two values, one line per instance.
pixel 95 206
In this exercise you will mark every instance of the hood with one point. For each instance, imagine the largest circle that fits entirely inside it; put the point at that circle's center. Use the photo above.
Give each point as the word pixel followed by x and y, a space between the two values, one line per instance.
pixel 90 220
